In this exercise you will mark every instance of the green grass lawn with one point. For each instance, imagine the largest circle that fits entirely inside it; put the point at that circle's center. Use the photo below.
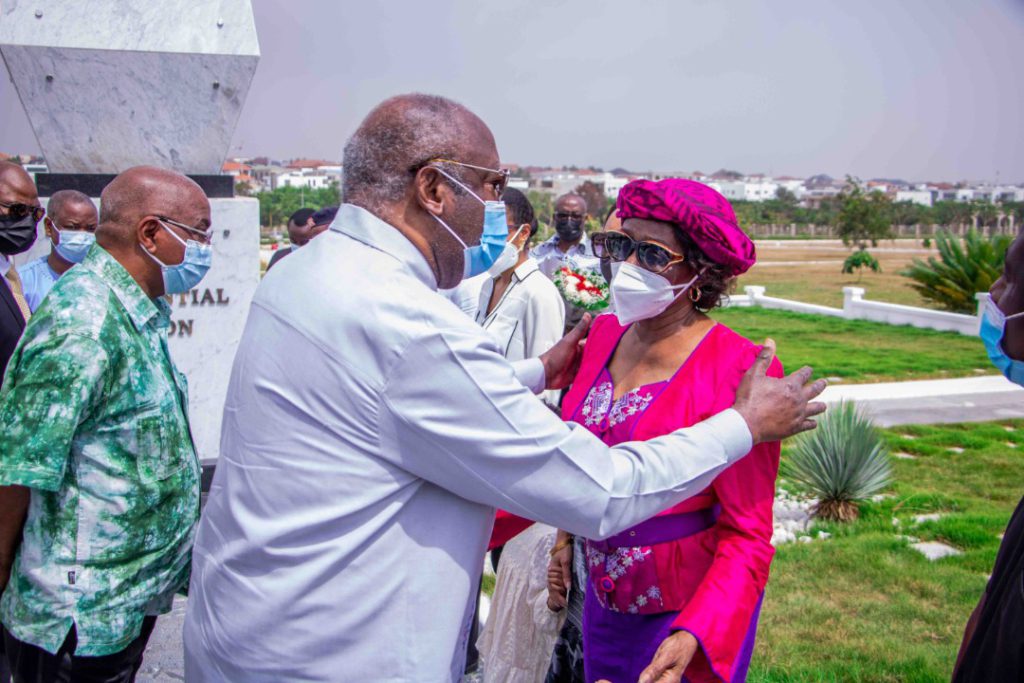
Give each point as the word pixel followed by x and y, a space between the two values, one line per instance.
pixel 863 606
pixel 855 351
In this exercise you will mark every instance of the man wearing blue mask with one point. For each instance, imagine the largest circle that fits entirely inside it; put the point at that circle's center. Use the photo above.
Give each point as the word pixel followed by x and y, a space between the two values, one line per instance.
pixel 70 225
pixel 371 428
pixel 993 644
pixel 99 479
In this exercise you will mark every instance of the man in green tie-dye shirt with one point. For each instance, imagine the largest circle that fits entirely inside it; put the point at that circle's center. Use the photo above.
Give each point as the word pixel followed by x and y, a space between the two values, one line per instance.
pixel 98 463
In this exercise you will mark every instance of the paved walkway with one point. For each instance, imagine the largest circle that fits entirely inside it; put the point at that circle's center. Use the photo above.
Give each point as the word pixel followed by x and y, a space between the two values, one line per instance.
pixel 971 399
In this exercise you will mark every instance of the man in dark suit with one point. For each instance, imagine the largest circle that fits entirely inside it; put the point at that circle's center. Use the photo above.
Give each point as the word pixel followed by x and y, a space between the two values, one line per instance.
pixel 19 214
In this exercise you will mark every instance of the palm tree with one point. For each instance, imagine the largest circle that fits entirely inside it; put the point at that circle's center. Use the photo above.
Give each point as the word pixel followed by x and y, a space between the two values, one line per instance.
pixel 962 271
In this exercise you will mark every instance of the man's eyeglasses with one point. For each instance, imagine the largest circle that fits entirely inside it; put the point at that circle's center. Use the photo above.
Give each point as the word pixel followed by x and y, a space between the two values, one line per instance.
pixel 202 235
pixel 497 185
pixel 17 211
pixel 618 246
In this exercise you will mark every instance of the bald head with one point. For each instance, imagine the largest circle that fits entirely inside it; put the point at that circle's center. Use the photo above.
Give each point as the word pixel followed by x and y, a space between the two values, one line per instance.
pixel 16 186
pixel 146 191
pixel 399 136
pixel 571 203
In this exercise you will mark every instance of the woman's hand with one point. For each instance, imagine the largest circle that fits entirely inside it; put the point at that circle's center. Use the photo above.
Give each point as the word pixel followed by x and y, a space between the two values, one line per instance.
pixel 560 572
pixel 671 659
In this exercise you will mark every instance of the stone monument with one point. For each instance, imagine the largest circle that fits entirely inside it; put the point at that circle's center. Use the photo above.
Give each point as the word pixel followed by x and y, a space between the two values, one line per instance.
pixel 110 84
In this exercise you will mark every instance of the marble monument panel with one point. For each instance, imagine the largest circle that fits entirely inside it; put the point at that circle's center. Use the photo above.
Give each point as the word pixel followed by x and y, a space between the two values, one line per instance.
pixel 109 85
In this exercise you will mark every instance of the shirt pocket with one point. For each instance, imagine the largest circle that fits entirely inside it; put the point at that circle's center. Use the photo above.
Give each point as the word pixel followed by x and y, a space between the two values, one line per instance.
pixel 159 453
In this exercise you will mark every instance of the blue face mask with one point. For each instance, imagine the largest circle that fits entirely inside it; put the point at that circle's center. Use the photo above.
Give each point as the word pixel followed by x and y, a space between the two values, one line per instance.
pixel 477 259
pixel 73 244
pixel 993 327
pixel 183 276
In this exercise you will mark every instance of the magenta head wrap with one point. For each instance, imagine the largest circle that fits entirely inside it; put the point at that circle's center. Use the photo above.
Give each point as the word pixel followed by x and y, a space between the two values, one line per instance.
pixel 699 211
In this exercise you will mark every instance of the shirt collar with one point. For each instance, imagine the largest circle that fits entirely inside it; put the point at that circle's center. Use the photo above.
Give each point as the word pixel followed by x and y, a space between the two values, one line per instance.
pixel 583 245
pixel 5 265
pixel 140 308
pixel 524 269
pixel 361 225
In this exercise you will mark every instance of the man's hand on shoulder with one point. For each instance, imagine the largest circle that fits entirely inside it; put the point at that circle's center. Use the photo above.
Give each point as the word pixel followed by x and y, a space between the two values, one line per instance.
pixel 562 361
pixel 775 408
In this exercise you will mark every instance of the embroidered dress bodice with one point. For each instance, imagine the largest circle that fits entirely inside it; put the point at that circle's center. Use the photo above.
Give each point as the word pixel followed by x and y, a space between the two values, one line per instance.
pixel 613 419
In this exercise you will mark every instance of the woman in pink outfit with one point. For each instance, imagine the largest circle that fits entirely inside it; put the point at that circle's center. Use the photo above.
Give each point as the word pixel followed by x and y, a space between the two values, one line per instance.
pixel 689 581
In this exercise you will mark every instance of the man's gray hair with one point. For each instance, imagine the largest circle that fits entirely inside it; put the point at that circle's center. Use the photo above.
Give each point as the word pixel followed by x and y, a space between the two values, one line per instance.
pixel 396 139
pixel 62 198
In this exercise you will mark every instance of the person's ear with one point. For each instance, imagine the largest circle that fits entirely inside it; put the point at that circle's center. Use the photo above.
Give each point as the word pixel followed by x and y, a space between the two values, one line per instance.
pixel 146 232
pixel 431 192
pixel 51 230
pixel 523 237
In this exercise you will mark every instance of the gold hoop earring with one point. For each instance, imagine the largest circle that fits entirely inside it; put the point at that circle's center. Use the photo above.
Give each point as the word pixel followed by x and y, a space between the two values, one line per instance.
pixel 695 294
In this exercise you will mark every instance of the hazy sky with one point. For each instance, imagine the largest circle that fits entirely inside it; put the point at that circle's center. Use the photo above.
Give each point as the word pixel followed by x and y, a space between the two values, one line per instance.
pixel 916 89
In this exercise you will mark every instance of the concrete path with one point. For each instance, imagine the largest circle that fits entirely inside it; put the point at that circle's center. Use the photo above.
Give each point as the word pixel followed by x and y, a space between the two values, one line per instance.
pixel 970 399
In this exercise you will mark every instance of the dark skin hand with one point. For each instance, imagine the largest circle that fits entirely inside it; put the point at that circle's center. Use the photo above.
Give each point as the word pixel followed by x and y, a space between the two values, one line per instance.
pixel 562 360
pixel 13 508
pixel 560 573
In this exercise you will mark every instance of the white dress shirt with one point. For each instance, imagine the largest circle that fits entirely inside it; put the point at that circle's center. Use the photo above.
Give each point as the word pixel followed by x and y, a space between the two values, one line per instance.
pixel 370 429
pixel 550 258
pixel 527 320
pixel 466 294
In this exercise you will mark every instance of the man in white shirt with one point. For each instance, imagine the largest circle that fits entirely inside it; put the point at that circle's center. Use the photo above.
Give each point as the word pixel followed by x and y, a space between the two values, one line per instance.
pixel 519 306
pixel 359 470
pixel 569 246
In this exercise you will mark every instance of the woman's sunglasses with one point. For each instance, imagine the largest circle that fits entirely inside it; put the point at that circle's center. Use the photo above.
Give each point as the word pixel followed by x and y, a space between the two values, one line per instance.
pixel 19 211
pixel 618 246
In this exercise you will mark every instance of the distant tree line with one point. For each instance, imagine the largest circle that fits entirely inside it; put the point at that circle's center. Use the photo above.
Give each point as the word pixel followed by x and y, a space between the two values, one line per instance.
pixel 786 210
pixel 277 205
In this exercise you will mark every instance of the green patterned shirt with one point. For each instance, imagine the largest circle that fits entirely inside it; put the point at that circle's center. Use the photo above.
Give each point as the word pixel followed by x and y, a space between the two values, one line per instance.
pixel 93 418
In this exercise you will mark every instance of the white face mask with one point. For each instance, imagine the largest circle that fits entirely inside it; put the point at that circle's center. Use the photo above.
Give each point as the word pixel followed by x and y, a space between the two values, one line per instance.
pixel 508 257
pixel 639 294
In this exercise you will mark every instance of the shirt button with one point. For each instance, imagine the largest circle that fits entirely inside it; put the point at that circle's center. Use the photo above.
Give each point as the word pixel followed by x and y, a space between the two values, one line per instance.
pixel 632 533
pixel 606 584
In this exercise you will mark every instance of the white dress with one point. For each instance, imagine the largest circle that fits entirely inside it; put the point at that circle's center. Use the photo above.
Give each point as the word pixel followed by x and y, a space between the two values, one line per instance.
pixel 516 643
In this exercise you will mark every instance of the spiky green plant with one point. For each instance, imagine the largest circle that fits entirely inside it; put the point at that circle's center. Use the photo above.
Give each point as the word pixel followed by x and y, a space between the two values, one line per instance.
pixel 843 461
pixel 962 271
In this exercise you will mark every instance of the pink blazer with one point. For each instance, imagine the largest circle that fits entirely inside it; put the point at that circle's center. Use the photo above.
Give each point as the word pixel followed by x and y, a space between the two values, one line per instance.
pixel 715 578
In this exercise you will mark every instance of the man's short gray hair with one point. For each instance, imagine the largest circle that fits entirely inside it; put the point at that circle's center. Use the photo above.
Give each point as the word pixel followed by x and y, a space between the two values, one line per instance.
pixel 62 198
pixel 396 139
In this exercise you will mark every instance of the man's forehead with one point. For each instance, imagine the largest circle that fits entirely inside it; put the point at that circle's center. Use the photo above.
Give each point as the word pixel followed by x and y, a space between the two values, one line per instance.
pixel 77 208
pixel 571 203
pixel 16 189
